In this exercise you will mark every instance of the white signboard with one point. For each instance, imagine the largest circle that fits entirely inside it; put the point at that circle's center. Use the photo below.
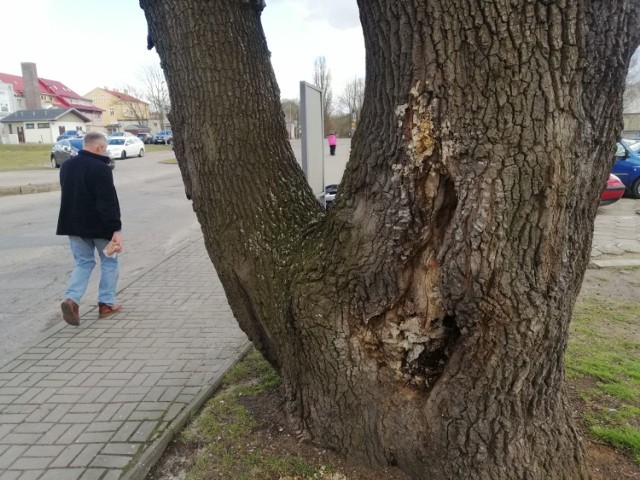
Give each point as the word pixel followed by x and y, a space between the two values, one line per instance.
pixel 312 124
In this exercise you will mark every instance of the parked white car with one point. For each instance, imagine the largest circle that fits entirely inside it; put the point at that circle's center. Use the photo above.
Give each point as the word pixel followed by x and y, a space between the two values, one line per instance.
pixel 121 134
pixel 123 147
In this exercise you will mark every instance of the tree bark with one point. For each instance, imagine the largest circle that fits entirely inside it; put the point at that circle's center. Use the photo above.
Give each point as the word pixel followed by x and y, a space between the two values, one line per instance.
pixel 423 321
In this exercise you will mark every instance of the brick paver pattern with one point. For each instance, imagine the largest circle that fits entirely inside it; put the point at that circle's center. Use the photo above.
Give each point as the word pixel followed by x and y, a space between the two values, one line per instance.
pixel 86 401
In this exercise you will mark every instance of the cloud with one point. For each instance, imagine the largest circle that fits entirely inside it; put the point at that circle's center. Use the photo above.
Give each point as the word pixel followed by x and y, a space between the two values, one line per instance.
pixel 339 14
pixel 299 32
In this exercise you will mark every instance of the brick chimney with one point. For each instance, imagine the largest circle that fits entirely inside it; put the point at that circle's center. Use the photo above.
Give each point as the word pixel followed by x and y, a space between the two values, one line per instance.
pixel 31 88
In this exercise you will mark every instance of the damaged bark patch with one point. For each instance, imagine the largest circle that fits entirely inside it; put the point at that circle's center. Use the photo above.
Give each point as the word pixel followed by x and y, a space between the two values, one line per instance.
pixel 425 369
pixel 415 120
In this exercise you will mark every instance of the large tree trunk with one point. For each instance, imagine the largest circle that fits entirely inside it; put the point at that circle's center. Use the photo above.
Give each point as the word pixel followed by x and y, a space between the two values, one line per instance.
pixel 423 321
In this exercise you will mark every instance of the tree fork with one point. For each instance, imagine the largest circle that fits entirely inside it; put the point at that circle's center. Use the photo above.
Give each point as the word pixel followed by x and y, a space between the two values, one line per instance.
pixel 423 321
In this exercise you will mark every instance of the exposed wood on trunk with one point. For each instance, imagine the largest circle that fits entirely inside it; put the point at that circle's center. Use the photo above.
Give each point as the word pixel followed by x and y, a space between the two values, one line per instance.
pixel 423 321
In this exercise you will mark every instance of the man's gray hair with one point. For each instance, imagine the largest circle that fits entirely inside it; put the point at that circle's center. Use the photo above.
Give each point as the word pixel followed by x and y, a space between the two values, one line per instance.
pixel 93 138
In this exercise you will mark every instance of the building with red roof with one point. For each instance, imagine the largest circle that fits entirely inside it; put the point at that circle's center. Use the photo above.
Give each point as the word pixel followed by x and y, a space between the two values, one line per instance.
pixel 120 108
pixel 52 93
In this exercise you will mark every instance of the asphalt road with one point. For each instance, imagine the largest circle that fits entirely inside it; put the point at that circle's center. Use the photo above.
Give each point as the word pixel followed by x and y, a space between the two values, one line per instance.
pixel 35 263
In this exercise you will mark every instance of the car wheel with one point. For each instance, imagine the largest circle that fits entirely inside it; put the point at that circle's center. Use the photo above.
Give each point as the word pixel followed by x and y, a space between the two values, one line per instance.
pixel 635 188
pixel 169 142
pixel 123 155
pixel 141 152
pixel 54 164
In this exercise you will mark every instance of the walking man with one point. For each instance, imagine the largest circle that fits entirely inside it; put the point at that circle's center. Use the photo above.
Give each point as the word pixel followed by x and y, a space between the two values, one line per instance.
pixel 90 216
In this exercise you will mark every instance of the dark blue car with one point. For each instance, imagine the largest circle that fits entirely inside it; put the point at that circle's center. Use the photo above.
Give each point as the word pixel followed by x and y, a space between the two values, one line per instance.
pixel 69 134
pixel 627 166
pixel 67 148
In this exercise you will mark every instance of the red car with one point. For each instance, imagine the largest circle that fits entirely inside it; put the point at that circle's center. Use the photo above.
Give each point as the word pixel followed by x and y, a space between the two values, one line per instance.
pixel 613 192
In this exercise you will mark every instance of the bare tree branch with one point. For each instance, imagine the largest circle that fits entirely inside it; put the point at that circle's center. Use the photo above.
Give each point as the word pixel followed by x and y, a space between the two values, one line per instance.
pixel 155 91
pixel 133 107
pixel 352 98
pixel 322 80
pixel 291 109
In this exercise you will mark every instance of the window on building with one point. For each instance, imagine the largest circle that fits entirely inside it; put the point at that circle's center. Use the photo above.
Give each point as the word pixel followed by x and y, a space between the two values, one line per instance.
pixel 30 126
pixel 43 125
pixel 112 112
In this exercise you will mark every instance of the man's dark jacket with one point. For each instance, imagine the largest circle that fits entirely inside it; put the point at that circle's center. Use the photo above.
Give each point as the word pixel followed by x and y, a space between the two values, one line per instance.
pixel 89 207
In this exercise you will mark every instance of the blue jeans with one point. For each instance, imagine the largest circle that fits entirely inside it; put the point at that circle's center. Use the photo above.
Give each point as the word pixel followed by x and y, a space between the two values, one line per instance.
pixel 83 254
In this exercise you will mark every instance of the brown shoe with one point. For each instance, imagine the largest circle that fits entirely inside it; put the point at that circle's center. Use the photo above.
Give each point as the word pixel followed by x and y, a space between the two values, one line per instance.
pixel 70 312
pixel 105 310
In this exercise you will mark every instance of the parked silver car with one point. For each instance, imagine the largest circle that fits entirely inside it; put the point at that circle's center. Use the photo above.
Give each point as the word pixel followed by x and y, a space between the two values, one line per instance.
pixel 163 136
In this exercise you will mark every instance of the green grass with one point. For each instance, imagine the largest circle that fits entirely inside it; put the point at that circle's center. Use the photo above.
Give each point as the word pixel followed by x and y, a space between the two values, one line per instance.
pixel 37 156
pixel 156 148
pixel 25 157
pixel 603 364
pixel 252 376
pixel 225 432
pixel 625 437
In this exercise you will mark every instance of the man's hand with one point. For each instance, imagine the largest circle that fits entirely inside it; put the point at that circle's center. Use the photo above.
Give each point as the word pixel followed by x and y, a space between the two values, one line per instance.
pixel 117 241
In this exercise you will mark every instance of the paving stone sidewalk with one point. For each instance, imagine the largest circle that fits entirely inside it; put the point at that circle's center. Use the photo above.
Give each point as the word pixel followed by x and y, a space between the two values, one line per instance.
pixel 616 236
pixel 102 400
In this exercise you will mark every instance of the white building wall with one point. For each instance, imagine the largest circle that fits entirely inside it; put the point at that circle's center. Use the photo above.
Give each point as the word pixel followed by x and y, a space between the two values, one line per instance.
pixel 7 102
pixel 7 106
pixel 69 122
pixel 37 135
pixel 44 131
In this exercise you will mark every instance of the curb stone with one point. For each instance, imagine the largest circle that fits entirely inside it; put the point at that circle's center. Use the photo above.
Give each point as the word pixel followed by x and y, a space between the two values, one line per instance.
pixel 28 189
pixel 623 262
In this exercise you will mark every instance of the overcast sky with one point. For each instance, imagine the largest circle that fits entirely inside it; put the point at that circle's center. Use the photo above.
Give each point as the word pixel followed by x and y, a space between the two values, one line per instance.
pixel 58 35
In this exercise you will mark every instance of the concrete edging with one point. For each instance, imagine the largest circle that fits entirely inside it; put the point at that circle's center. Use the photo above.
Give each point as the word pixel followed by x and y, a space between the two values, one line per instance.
pixel 620 262
pixel 28 189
